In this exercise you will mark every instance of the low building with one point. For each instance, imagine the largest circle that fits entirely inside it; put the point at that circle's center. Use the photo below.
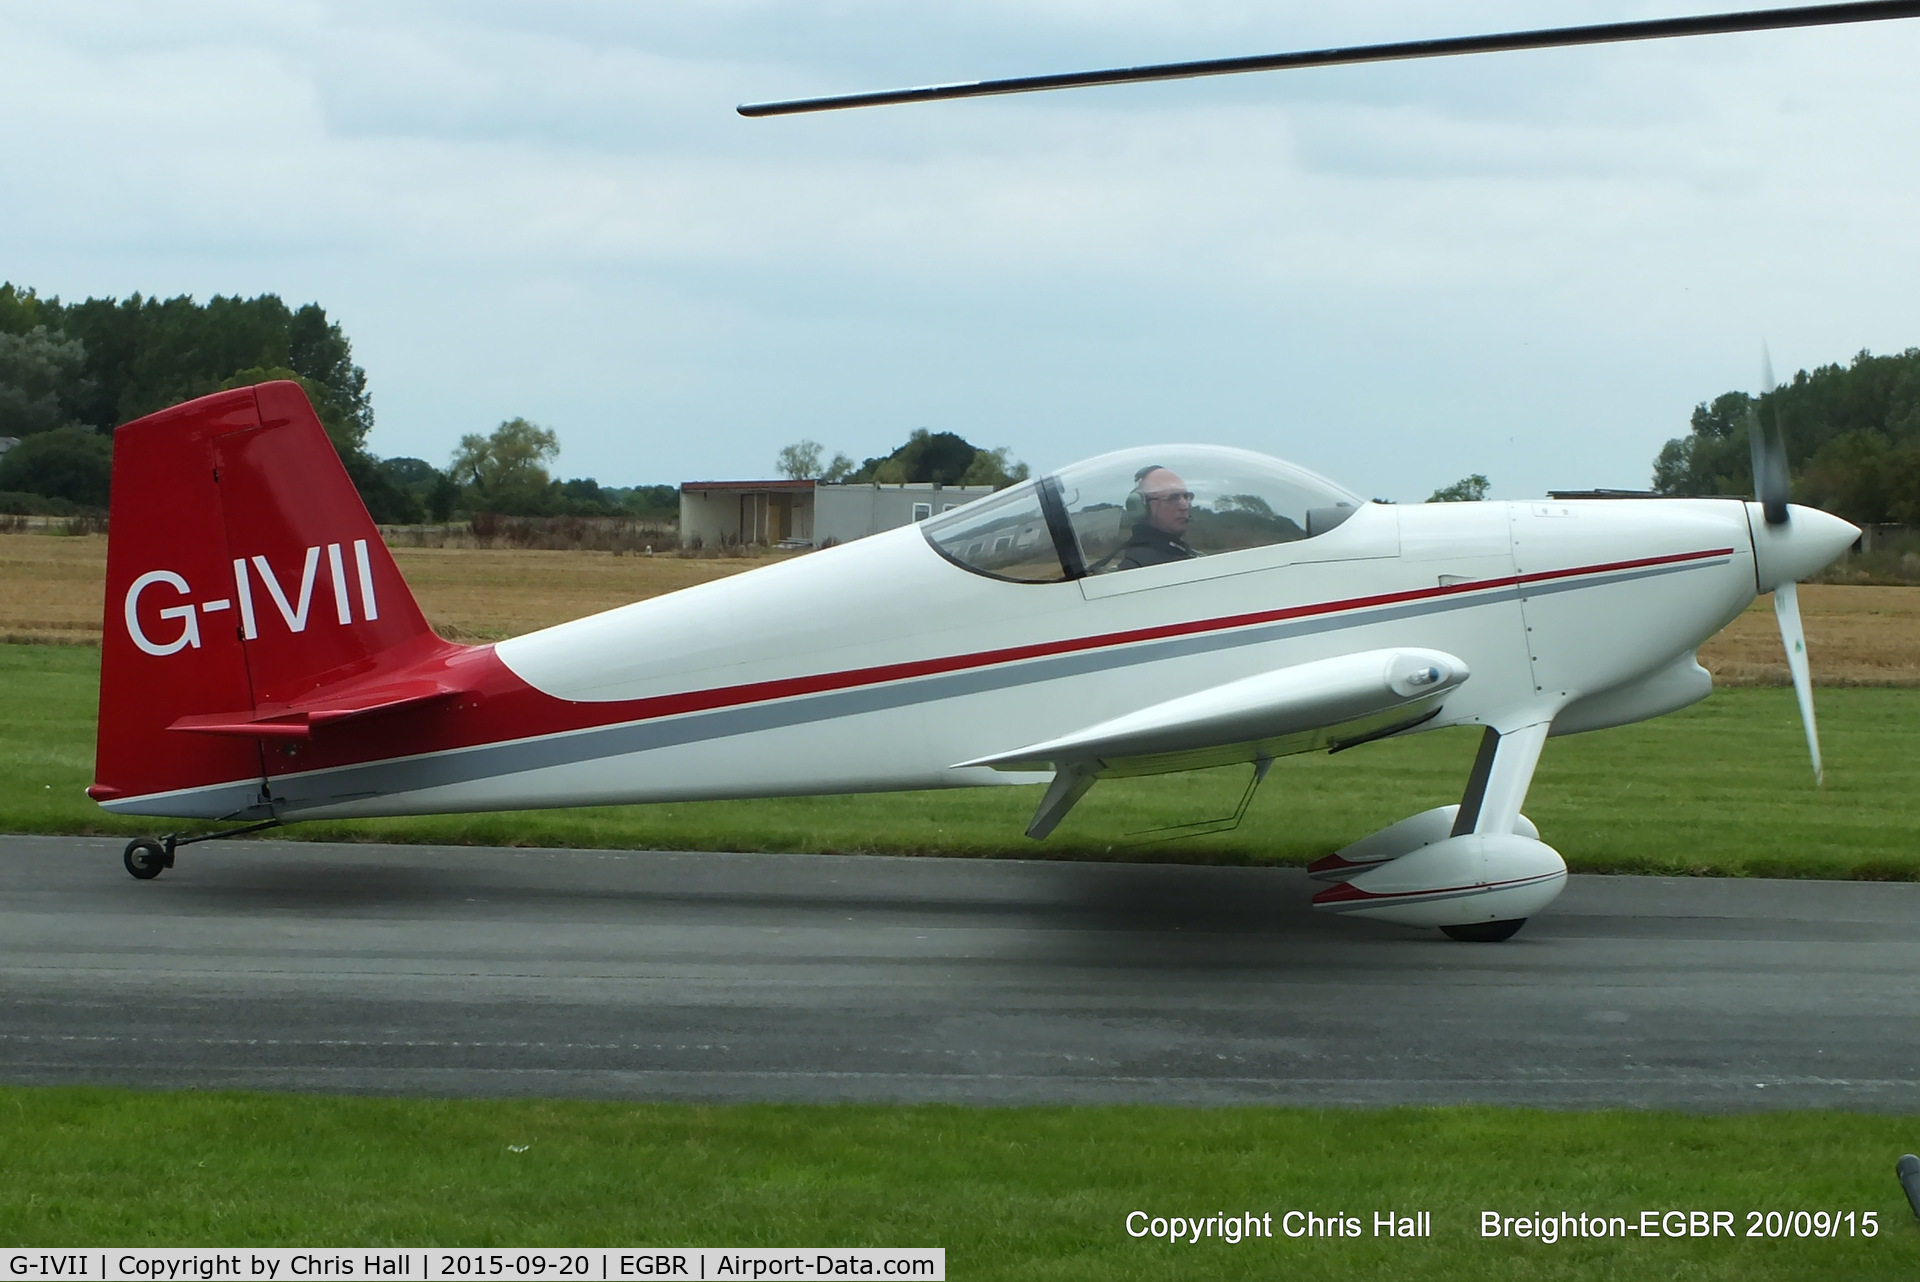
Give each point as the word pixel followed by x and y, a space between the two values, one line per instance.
pixel 806 513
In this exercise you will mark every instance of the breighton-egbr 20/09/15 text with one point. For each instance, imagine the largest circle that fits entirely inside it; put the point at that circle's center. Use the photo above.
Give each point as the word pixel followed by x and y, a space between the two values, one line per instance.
pixel 1552 1227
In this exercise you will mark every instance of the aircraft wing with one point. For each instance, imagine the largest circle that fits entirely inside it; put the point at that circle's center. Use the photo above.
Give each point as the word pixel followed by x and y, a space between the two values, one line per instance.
pixel 1329 703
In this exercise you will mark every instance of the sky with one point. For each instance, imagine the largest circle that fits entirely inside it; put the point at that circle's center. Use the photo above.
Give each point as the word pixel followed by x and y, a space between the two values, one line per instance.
pixel 1530 266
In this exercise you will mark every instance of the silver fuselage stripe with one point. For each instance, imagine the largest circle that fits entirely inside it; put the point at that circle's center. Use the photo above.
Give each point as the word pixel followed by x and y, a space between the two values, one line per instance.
pixel 457 766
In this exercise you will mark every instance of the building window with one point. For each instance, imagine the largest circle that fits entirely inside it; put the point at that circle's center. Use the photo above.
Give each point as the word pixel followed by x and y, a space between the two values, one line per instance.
pixel 921 511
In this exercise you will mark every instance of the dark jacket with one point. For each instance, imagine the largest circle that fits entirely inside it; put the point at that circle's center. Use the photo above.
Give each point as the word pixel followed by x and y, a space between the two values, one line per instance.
pixel 1151 546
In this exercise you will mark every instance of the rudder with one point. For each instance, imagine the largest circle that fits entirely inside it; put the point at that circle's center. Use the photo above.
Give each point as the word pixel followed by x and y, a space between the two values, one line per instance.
pixel 243 574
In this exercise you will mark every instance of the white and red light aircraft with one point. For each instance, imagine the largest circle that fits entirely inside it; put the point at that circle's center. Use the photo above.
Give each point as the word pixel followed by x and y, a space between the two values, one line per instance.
pixel 1154 610
pixel 1158 609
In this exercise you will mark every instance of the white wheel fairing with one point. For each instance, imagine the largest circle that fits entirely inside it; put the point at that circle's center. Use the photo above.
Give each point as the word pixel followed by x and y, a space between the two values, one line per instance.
pixel 1456 882
pixel 1410 834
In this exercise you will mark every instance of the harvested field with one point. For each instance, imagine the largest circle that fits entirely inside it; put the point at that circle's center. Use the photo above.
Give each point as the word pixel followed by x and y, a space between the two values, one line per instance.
pixel 50 591
pixel 51 586
pixel 472 594
pixel 1864 636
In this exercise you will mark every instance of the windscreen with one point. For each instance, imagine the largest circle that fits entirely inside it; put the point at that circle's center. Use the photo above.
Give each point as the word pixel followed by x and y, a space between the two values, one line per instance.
pixel 1005 535
pixel 1157 505
pixel 1140 507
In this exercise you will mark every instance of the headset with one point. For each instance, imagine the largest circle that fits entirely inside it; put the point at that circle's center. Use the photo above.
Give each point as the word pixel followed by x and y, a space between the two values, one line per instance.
pixel 1136 504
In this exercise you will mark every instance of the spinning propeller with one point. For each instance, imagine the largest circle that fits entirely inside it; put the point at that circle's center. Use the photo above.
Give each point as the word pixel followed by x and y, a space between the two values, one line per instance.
pixel 1784 547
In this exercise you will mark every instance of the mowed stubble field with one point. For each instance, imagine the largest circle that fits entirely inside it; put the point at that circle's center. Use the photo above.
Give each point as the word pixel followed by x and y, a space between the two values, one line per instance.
pixel 52 587
pixel 51 591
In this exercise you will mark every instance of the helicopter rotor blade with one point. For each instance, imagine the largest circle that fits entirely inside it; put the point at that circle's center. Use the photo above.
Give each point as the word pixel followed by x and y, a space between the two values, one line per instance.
pixel 1813 15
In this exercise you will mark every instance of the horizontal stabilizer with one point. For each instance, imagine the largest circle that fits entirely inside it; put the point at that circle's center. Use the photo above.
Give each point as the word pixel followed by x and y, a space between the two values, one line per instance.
pixel 298 721
pixel 1326 703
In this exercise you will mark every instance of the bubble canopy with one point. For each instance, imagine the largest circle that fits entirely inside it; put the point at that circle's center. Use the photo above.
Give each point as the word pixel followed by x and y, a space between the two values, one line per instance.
pixel 1139 507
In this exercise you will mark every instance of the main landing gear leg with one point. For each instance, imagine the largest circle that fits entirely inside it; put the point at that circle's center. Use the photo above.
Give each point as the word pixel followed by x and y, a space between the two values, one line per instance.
pixel 1502 772
pixel 148 857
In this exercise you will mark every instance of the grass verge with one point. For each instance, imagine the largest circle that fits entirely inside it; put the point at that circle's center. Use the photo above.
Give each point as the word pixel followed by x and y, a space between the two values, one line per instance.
pixel 1010 1193
pixel 1722 788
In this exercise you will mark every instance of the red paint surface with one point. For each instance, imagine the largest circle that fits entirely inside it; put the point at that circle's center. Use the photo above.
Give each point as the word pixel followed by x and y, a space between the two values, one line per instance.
pixel 239 474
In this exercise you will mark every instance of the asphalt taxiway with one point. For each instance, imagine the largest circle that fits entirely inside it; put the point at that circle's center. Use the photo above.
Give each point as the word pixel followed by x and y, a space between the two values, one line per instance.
pixel 426 970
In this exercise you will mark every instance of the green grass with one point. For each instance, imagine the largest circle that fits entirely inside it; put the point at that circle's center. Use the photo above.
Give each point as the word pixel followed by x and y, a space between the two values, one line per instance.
pixel 1031 1192
pixel 1010 1193
pixel 1721 788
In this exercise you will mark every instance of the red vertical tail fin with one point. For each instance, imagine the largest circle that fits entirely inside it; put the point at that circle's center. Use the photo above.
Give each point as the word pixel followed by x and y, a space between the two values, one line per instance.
pixel 243 573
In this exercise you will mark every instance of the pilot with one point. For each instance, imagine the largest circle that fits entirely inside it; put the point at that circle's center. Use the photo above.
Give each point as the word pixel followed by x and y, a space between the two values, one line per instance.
pixel 1162 511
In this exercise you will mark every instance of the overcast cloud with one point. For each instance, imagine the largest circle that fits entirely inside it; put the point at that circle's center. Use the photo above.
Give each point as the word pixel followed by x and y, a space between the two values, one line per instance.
pixel 1528 265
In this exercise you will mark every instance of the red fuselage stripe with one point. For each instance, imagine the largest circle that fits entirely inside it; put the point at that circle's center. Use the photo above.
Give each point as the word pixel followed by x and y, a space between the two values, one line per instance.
pixel 499 707
pixel 825 682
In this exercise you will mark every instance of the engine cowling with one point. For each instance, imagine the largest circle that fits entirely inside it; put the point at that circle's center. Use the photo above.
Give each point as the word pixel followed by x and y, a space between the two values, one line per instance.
pixel 1410 834
pixel 1459 881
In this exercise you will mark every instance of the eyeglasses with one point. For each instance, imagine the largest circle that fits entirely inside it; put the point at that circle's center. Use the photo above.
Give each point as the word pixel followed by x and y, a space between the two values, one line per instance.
pixel 1170 496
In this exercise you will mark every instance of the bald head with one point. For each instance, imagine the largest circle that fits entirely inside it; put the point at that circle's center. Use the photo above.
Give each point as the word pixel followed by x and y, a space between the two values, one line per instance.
pixel 1169 502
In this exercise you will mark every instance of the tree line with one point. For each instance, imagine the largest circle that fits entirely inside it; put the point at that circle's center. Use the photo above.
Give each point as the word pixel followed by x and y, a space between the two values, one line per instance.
pixel 1852 435
pixel 72 372
pixel 926 458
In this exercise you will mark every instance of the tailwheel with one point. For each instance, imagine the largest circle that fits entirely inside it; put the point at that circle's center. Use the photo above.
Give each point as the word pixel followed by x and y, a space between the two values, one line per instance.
pixel 148 857
pixel 145 858
pixel 1484 932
